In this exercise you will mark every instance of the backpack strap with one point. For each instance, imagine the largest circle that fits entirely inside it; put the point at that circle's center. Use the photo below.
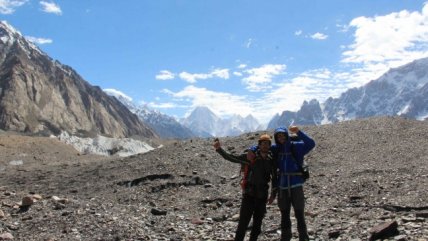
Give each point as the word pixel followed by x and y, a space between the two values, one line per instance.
pixel 293 153
pixel 247 168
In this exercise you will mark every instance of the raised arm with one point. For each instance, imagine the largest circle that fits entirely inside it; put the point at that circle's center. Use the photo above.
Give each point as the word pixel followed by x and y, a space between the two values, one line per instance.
pixel 232 158
pixel 302 147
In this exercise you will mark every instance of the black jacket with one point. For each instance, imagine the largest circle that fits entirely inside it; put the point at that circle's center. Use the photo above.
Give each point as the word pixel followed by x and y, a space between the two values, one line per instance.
pixel 260 173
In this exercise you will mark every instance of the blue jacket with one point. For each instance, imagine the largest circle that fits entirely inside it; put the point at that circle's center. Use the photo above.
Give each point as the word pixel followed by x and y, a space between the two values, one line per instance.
pixel 289 157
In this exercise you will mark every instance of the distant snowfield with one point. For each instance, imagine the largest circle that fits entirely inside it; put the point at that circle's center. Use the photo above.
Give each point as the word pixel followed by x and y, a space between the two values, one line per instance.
pixel 422 117
pixel 105 146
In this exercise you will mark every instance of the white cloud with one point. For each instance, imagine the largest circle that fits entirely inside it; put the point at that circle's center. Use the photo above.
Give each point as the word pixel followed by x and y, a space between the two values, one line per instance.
pixel 193 78
pixel 219 102
pixel 39 40
pixel 9 6
pixel 167 91
pixel 319 36
pixel 221 73
pixel 389 40
pixel 236 73
pixel 260 78
pixel 50 7
pixel 298 32
pixel 288 94
pixel 242 66
pixel 165 75
pixel 249 43
pixel 117 93
pixel 315 84
pixel 166 105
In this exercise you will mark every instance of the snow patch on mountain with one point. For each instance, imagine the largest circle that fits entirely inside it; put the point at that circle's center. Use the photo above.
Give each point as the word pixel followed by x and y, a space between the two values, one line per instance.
pixel 102 145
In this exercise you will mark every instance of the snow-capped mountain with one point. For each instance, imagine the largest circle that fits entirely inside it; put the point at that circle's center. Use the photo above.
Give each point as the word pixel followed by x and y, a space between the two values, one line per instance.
pixel 237 125
pixel 202 121
pixel 205 123
pixel 402 91
pixel 41 95
pixel 165 126
pixel 309 114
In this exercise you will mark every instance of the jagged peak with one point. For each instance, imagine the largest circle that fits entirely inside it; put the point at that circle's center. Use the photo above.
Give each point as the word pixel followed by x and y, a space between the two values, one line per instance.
pixel 13 35
pixel 9 28
pixel 202 110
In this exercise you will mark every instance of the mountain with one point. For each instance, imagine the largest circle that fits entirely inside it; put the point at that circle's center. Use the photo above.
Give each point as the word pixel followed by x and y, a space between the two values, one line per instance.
pixel 401 91
pixel 203 122
pixel 236 125
pixel 40 95
pixel 165 126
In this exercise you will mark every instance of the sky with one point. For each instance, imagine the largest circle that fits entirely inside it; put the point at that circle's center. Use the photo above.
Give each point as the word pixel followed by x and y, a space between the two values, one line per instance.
pixel 235 57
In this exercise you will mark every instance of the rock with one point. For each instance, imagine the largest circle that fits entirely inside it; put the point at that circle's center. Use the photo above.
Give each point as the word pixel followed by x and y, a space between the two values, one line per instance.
pixel 158 212
pixel 27 201
pixel 235 217
pixel 37 197
pixel 384 230
pixel 400 238
pixel 6 236
pixel 59 200
pixel 1 214
pixel 197 221
pixel 333 234
pixel 220 218
pixel 422 214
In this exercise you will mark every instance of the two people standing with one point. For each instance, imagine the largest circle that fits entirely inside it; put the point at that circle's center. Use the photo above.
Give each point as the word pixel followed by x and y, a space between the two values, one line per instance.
pixel 286 176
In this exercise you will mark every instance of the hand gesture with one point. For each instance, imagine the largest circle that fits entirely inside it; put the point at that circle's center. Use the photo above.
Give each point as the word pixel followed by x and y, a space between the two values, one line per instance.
pixel 216 144
pixel 293 129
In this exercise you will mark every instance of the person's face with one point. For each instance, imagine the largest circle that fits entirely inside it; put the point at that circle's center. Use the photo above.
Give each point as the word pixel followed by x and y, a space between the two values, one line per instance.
pixel 281 137
pixel 264 146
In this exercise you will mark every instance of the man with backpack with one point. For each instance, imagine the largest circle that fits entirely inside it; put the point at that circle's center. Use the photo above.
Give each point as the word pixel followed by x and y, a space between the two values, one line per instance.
pixel 289 155
pixel 258 171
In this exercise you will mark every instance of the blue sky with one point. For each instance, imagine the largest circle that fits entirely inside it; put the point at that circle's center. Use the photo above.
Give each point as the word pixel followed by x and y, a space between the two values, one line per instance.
pixel 236 57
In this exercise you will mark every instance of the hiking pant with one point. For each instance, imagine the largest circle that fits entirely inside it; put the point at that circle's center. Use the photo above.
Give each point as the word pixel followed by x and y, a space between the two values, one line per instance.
pixel 250 207
pixel 296 198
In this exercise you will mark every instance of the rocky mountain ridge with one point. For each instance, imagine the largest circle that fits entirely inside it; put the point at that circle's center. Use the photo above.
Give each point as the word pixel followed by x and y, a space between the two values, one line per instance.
pixel 40 95
pixel 165 126
pixel 402 91
pixel 368 181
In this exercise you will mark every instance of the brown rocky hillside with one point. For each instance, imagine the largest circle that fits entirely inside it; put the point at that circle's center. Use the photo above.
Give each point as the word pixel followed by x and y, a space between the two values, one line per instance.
pixel 40 95
pixel 364 173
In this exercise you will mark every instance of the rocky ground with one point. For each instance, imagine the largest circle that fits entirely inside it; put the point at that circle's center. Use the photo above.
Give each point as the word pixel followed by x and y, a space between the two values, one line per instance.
pixel 363 174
